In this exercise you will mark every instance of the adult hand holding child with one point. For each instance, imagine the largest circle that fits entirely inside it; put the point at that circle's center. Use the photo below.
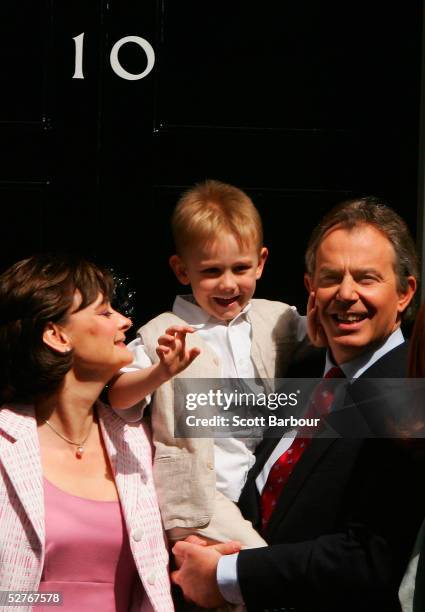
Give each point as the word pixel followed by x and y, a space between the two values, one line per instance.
pixel 196 561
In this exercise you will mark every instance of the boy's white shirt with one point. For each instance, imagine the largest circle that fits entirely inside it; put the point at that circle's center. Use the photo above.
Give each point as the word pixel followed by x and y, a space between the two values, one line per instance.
pixel 232 344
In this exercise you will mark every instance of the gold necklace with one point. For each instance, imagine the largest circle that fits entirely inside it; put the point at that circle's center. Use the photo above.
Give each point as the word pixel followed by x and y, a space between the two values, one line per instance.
pixel 80 445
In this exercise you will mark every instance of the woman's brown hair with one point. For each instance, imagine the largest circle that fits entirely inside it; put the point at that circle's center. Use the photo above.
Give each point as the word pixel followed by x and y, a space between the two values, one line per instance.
pixel 34 292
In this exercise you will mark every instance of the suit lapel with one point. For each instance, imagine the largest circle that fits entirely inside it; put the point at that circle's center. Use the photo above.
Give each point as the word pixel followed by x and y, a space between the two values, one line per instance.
pixel 364 399
pixel 317 448
pixel 391 365
pixel 20 456
pixel 249 501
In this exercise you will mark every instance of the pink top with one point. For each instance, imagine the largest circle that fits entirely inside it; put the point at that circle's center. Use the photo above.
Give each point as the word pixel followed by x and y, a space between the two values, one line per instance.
pixel 88 557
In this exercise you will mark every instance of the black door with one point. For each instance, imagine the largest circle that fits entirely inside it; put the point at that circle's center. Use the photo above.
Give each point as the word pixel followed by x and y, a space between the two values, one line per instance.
pixel 301 104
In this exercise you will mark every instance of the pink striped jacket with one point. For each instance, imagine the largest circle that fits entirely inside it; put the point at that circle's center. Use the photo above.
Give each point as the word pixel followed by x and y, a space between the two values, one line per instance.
pixel 22 532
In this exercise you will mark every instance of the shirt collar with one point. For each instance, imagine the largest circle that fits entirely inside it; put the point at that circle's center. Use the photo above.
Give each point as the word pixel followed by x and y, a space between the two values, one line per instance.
pixel 187 309
pixel 356 367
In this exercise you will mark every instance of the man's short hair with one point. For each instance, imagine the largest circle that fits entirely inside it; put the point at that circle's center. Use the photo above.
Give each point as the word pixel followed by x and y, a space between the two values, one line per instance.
pixel 212 208
pixel 375 212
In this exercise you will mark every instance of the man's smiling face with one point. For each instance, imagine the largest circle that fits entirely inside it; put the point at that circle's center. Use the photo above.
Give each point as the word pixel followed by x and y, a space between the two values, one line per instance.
pixel 357 293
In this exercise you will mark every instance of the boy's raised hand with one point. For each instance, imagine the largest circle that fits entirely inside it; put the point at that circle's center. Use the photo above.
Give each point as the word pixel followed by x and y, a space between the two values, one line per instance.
pixel 315 331
pixel 129 388
pixel 172 352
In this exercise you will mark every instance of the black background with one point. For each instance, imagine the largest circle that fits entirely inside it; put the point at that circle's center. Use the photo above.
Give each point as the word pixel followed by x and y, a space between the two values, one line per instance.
pixel 301 104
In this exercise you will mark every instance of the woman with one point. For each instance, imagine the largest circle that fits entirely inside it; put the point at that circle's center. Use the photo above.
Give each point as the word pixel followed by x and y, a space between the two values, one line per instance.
pixel 412 589
pixel 78 510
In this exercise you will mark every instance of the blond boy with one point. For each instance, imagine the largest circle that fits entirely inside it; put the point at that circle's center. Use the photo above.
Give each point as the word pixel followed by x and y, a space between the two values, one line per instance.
pixel 220 254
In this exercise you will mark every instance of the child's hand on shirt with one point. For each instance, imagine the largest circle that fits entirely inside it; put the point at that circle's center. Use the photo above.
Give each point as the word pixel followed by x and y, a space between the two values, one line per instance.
pixel 172 352
pixel 315 331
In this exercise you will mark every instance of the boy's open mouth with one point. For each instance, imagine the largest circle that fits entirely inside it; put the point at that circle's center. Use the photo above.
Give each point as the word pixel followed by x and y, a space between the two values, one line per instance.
pixel 226 301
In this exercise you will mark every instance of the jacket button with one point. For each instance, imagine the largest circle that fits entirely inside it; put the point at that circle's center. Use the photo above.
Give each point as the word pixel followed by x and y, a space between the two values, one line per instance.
pixel 210 465
pixel 151 578
pixel 137 534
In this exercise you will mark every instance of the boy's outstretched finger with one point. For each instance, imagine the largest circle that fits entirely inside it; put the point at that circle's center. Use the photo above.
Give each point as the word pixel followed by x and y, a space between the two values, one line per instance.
pixel 179 329
pixel 162 350
pixel 181 337
pixel 167 339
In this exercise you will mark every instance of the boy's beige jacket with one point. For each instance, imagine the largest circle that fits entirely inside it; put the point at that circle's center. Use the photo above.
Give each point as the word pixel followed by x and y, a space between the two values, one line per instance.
pixel 184 467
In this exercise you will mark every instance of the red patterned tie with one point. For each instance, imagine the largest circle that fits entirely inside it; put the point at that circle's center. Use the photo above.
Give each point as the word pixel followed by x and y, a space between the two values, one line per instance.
pixel 320 404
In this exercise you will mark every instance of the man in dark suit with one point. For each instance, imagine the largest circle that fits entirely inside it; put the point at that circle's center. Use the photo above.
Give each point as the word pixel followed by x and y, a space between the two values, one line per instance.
pixel 344 522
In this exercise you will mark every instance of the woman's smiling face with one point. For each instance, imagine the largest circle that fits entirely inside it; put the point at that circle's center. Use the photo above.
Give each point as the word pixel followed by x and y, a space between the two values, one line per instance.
pixel 96 335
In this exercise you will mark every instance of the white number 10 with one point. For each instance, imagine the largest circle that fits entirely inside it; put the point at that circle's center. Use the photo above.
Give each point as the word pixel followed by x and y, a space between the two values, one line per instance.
pixel 114 61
